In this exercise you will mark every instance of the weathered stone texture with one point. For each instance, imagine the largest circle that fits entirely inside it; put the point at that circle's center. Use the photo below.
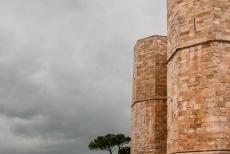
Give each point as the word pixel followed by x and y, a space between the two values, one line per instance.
pixel 198 82
pixel 191 22
pixel 198 98
pixel 198 76
pixel 149 110
pixel 149 127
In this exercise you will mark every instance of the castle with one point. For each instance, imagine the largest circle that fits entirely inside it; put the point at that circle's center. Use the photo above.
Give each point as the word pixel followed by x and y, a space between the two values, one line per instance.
pixel 181 90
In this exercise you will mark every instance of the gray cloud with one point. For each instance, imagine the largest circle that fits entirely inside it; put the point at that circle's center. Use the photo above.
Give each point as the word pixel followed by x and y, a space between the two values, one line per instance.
pixel 66 70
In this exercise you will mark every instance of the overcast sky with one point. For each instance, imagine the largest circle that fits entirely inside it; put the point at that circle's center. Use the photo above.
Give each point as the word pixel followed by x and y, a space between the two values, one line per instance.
pixel 66 70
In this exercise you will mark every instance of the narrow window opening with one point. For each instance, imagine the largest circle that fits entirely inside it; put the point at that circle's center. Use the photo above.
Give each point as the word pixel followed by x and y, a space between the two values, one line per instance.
pixel 194 24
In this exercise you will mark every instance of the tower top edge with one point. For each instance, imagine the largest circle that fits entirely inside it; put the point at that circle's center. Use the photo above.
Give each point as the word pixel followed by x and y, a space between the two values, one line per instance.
pixel 152 37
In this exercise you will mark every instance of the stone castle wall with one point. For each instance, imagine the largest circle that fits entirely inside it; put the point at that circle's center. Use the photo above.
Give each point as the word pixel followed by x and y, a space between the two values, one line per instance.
pixel 198 82
pixel 149 97
pixel 192 22
pixel 198 76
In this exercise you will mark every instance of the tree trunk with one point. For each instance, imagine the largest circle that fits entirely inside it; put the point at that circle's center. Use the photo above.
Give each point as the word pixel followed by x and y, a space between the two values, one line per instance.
pixel 119 150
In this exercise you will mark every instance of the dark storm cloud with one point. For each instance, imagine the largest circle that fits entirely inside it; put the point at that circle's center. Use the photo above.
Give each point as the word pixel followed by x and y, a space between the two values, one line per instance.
pixel 66 70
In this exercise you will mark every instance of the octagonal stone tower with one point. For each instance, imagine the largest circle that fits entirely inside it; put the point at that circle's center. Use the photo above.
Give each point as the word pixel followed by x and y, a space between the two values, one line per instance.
pixel 149 110
pixel 198 76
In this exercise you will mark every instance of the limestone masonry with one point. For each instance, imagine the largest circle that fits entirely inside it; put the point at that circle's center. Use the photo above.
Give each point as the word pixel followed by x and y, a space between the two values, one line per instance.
pixel 193 116
pixel 149 109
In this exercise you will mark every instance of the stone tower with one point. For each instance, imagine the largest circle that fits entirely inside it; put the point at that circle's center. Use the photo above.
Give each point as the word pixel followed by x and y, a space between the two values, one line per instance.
pixel 198 76
pixel 149 110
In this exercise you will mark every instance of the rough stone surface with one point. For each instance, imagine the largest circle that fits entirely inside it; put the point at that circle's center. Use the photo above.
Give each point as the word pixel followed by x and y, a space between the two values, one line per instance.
pixel 149 133
pixel 198 98
pixel 149 110
pixel 198 82
pixel 198 76
pixel 191 22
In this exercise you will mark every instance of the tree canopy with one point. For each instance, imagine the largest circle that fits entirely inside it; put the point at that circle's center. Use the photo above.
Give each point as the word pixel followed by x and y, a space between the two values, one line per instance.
pixel 124 150
pixel 121 140
pixel 109 142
